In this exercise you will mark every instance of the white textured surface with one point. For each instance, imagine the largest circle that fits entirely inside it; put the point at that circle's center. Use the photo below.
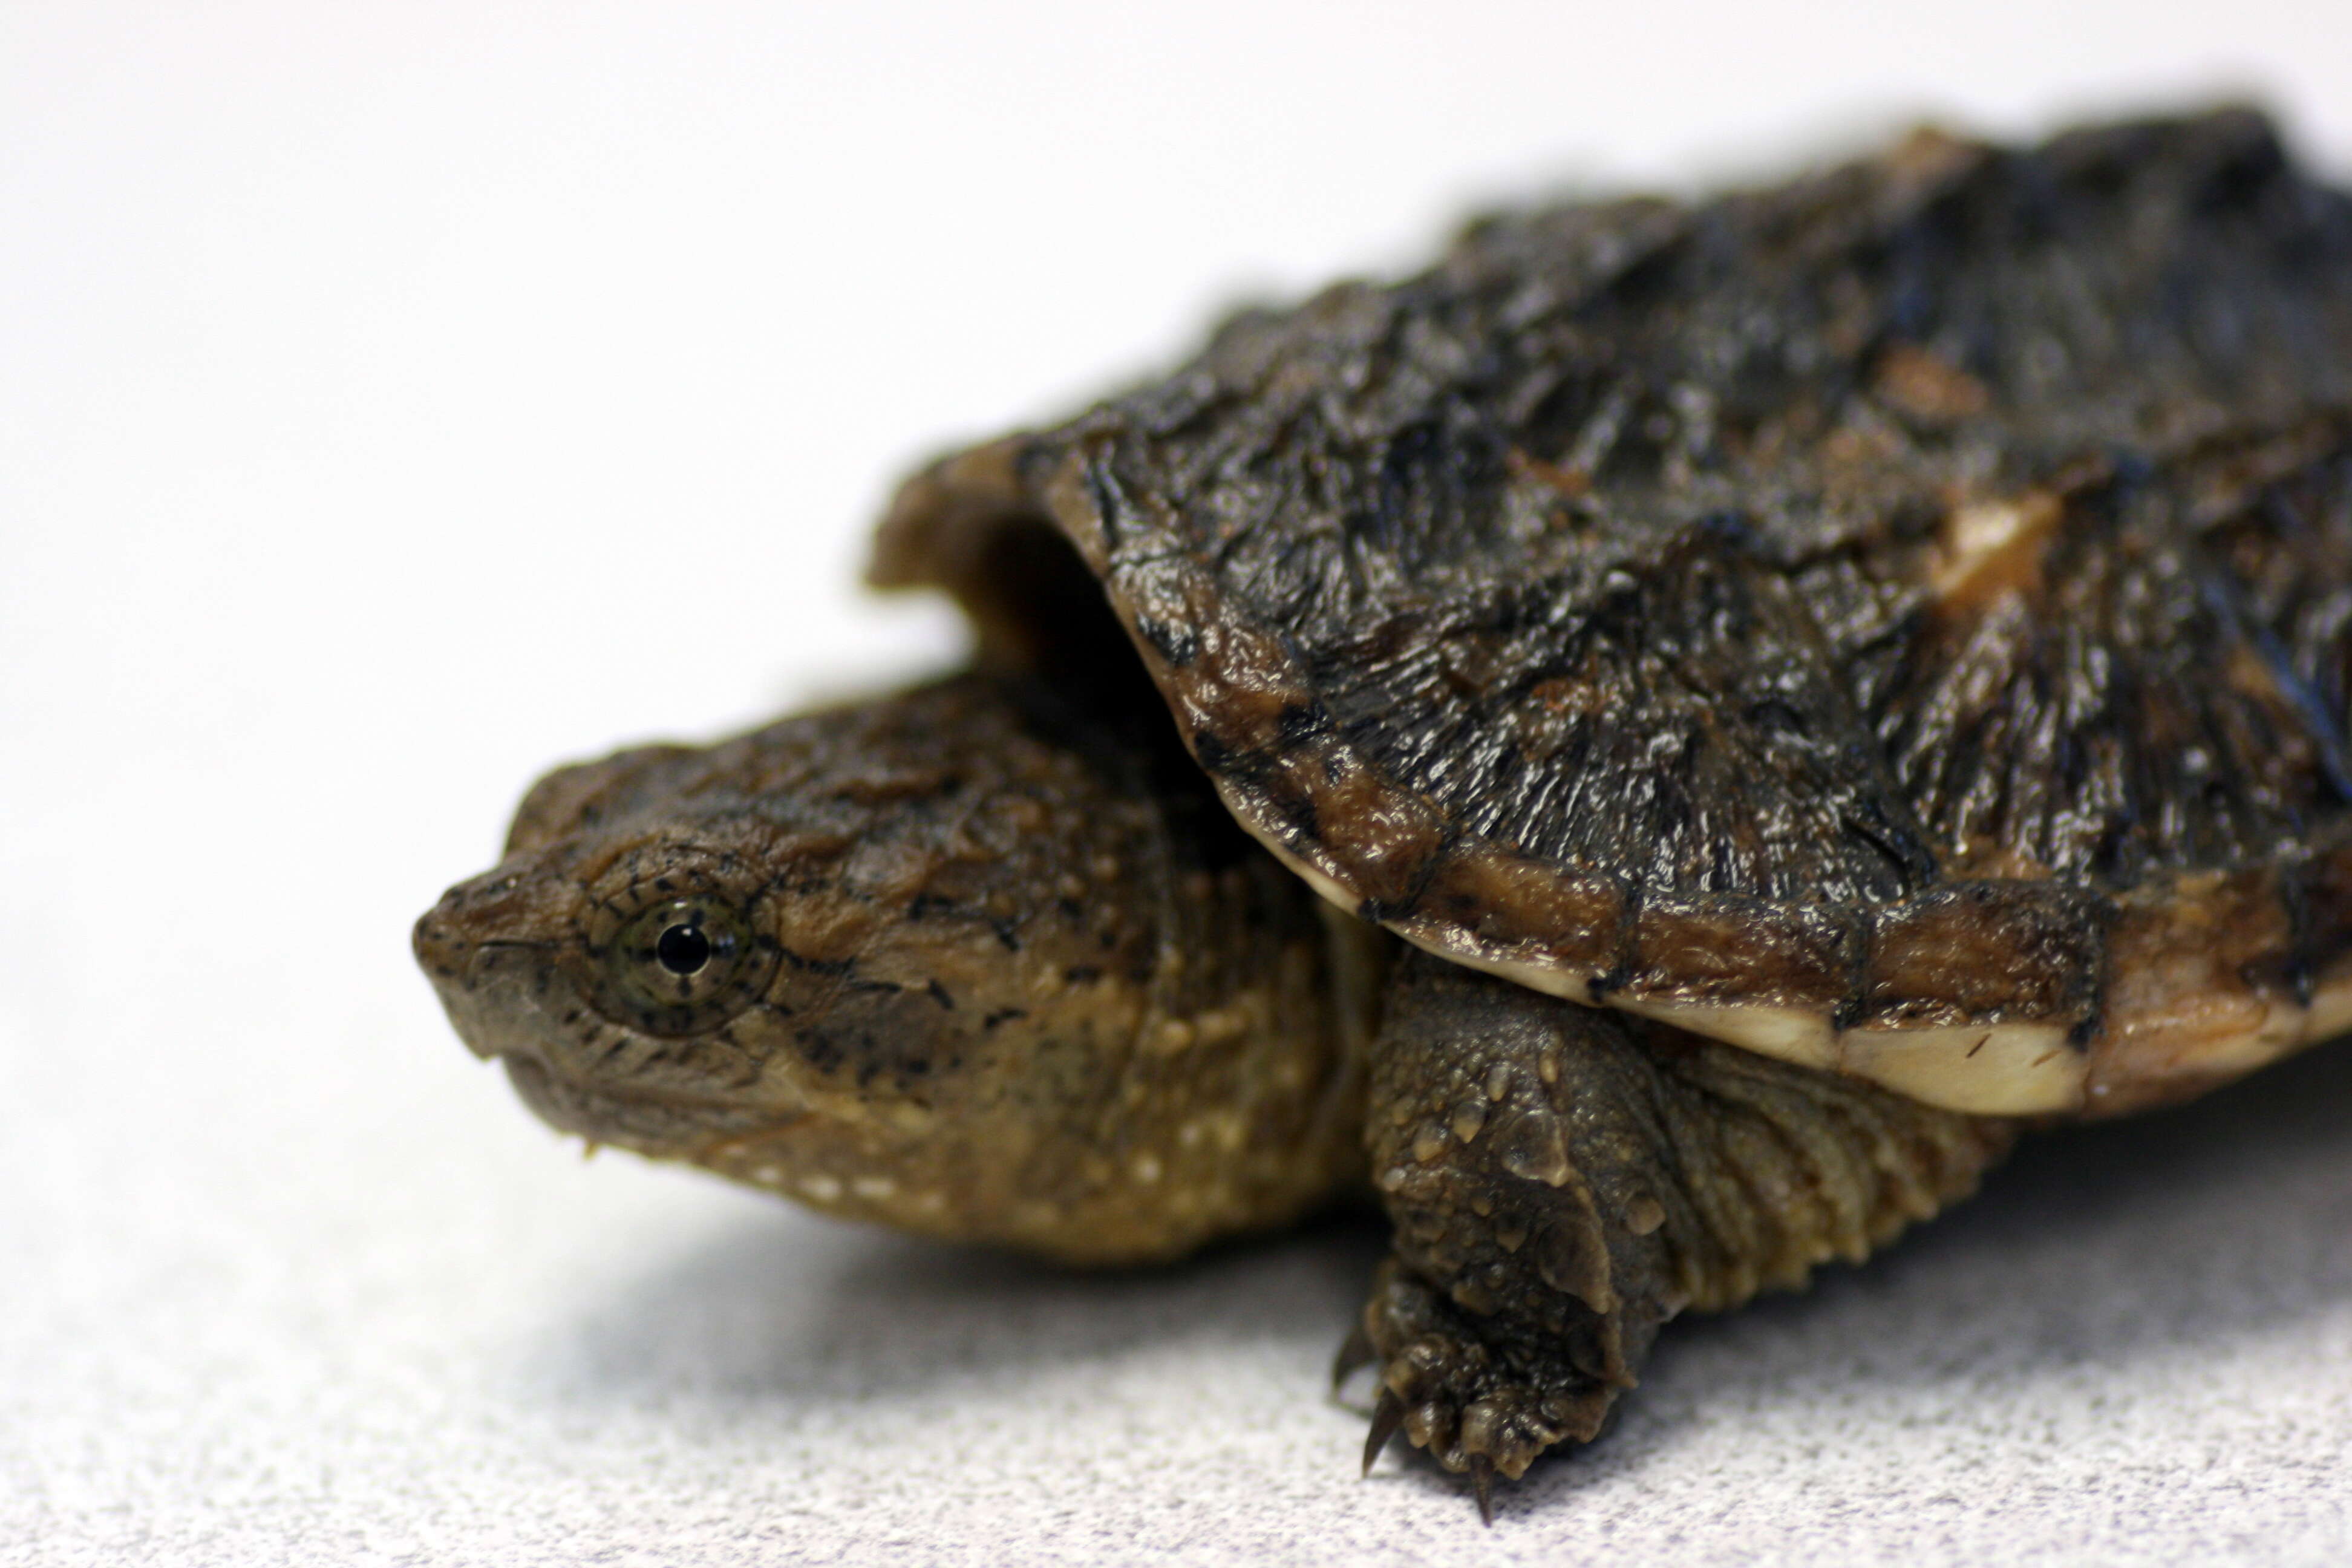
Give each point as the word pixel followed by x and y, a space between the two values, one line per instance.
pixel 397 398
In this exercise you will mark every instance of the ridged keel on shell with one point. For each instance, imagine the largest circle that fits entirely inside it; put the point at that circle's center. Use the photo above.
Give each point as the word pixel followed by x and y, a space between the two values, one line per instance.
pixel 1895 623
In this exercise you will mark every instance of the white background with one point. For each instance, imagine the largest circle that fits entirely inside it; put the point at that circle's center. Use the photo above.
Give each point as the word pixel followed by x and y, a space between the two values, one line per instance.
pixel 397 398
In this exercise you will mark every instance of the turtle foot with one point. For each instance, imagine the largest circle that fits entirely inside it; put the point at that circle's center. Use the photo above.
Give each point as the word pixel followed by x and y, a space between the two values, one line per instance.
pixel 1479 1401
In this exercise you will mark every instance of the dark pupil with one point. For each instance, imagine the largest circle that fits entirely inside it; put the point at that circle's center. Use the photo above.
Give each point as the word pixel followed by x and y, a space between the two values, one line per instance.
pixel 683 949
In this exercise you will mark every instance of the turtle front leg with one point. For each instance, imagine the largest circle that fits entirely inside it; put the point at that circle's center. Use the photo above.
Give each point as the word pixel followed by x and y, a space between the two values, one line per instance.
pixel 1564 1179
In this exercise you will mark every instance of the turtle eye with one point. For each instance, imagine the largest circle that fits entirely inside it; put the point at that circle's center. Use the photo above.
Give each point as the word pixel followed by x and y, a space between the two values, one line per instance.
pixel 678 965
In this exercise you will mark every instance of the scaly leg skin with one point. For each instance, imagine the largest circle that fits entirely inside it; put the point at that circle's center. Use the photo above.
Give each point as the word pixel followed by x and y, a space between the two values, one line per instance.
pixel 1564 1179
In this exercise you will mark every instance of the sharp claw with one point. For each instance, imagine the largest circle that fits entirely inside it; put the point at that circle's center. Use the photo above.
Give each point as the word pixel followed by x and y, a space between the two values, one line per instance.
pixel 1482 1482
pixel 1387 1416
pixel 1355 1351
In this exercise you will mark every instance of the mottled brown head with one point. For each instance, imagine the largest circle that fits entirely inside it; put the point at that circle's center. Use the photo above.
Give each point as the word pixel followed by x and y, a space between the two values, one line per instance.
pixel 681 973
pixel 912 961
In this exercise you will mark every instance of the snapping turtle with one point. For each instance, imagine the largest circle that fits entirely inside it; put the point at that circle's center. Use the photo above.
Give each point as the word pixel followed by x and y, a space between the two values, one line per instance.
pixel 1693 725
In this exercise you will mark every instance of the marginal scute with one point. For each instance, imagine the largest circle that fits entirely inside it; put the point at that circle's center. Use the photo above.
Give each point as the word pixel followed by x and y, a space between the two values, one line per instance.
pixel 2203 991
pixel 1844 620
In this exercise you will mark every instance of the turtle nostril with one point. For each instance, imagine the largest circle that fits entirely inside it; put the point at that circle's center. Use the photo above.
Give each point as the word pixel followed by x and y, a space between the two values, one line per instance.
pixel 439 952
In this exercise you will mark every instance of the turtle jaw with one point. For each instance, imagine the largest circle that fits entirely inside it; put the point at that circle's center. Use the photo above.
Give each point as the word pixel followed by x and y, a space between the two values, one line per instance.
pixel 657 1128
pixel 492 949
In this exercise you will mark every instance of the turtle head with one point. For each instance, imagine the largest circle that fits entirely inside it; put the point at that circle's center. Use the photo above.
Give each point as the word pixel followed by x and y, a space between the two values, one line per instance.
pixel 893 961
pixel 807 991
pixel 637 981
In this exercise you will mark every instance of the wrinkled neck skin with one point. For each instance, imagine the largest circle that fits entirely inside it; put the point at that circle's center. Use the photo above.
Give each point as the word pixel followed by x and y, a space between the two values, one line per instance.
pixel 951 961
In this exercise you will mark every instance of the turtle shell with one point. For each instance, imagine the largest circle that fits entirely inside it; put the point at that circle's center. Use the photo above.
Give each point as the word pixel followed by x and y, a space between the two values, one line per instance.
pixel 1898 622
